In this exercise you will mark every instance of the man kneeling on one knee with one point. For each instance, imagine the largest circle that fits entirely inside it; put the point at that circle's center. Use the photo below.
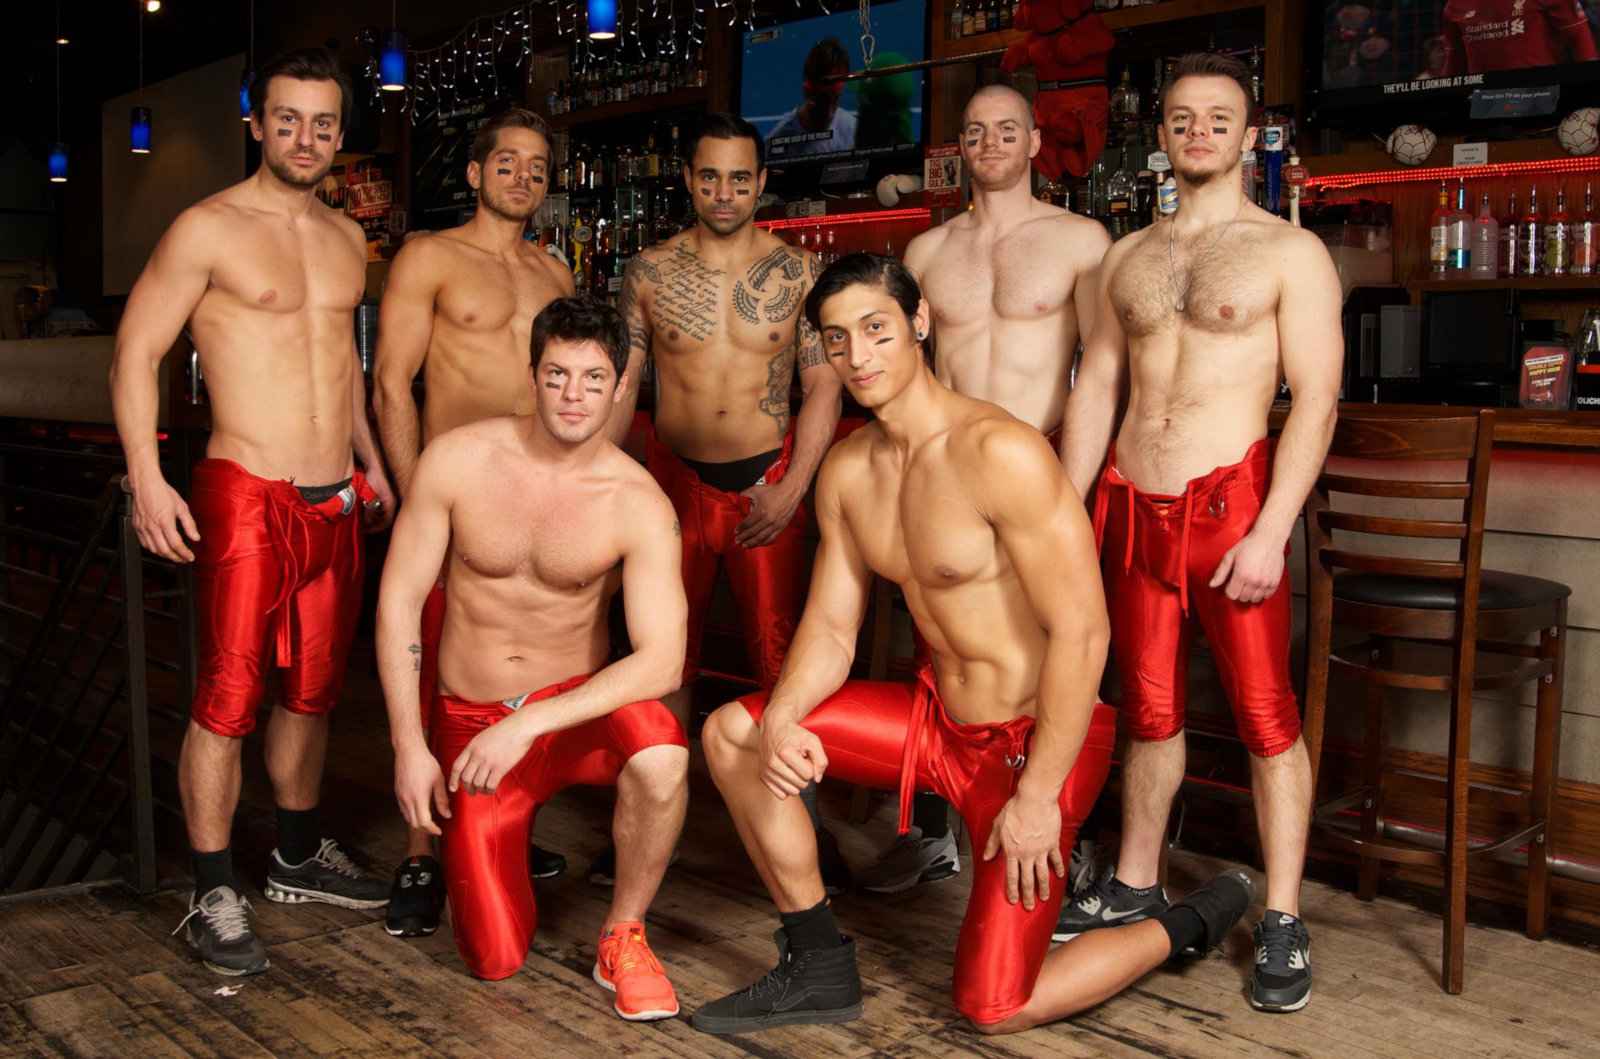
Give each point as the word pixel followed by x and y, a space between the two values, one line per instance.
pixel 541 520
pixel 966 509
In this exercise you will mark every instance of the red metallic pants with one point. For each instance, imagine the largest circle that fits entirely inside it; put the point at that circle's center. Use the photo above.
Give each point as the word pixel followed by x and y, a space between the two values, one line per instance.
pixel 486 836
pixel 273 576
pixel 768 583
pixel 895 736
pixel 1159 554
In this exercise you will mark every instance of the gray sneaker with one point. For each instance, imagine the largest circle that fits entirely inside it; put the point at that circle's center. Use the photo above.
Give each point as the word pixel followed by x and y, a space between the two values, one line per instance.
pixel 330 877
pixel 1108 903
pixel 219 928
pixel 910 861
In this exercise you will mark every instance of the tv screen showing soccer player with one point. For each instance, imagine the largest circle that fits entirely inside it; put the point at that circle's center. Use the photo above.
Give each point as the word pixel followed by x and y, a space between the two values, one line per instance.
pixel 786 89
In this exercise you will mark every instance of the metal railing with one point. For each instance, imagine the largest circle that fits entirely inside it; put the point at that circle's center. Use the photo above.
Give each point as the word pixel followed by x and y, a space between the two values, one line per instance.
pixel 95 645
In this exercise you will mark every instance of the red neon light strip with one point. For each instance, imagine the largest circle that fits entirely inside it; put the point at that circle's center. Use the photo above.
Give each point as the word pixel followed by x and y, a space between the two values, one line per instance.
pixel 1551 167
pixel 920 213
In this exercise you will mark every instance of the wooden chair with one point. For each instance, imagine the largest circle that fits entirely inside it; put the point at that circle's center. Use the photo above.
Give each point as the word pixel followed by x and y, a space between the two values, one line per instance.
pixel 1452 602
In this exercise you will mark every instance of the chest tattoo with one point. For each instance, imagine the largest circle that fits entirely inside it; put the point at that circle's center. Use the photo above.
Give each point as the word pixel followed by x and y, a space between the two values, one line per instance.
pixel 687 296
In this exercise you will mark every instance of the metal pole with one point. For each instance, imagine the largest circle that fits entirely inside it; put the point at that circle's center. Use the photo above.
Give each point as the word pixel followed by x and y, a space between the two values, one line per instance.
pixel 143 796
pixel 955 60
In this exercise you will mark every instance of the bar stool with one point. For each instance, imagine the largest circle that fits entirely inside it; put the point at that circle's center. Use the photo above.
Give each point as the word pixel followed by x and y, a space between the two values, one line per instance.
pixel 1395 601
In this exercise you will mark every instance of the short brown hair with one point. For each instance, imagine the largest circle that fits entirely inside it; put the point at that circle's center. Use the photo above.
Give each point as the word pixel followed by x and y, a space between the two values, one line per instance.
pixel 1212 64
pixel 302 64
pixel 488 134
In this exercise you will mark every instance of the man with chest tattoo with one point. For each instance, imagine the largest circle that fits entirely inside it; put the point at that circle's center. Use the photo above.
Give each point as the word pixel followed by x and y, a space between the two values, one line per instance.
pixel 267 279
pixel 718 309
pixel 1200 317
pixel 540 520
pixel 1003 721
pixel 459 305
pixel 1011 284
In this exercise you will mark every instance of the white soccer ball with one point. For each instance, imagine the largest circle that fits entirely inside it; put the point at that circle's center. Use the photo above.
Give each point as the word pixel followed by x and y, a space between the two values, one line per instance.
pixel 891 187
pixel 1579 131
pixel 1411 144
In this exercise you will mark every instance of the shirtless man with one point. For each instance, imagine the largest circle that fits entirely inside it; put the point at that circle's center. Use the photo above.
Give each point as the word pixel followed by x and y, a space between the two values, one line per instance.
pixel 1201 315
pixel 718 308
pixel 267 278
pixel 1011 286
pixel 1003 721
pixel 460 304
pixel 541 520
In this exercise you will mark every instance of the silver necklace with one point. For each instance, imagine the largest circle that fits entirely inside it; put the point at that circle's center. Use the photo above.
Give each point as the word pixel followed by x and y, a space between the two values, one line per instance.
pixel 1180 293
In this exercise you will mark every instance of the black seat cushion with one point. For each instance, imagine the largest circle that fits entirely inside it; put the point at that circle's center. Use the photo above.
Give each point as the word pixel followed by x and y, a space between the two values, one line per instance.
pixel 1498 590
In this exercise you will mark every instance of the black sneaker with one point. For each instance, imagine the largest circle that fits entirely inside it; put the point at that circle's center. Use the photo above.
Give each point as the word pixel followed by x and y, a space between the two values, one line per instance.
pixel 219 928
pixel 808 988
pixel 544 863
pixel 1109 902
pixel 1219 904
pixel 1282 978
pixel 836 877
pixel 330 877
pixel 416 898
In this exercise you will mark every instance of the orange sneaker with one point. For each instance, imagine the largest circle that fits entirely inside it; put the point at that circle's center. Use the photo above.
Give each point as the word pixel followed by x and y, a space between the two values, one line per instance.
pixel 626 966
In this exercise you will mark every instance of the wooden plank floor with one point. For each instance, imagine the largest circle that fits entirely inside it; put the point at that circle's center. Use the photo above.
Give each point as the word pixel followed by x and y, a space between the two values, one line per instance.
pixel 99 974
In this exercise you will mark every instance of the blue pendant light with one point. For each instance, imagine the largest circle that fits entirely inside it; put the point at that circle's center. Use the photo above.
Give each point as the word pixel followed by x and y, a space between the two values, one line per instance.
pixel 58 151
pixel 392 59
pixel 249 74
pixel 58 163
pixel 602 19
pixel 139 120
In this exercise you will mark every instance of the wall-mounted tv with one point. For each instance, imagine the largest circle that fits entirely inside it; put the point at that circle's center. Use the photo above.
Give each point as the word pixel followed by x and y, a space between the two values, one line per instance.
pixel 1427 55
pixel 807 119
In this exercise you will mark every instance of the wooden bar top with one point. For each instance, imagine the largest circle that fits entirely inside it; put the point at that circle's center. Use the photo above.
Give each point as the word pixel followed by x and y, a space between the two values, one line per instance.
pixel 1513 426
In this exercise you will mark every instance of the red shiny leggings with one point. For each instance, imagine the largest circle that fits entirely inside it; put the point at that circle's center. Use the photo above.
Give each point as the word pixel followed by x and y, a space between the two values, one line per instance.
pixel 768 583
pixel 895 736
pixel 486 836
pixel 275 578
pixel 1159 553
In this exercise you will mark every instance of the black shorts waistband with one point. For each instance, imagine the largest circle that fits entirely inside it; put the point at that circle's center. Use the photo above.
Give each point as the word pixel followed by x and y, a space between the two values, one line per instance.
pixel 735 476
pixel 316 494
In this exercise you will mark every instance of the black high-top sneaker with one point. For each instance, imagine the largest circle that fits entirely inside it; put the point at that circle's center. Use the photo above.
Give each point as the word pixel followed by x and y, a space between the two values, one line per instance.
pixel 416 898
pixel 813 987
pixel 1219 903
pixel 1281 981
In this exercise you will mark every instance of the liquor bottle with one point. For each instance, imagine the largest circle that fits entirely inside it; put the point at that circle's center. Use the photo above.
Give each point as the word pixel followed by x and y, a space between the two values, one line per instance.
pixel 1097 190
pixel 600 262
pixel 675 160
pixel 1119 197
pixel 969 18
pixel 1144 198
pixel 1439 235
pixel 1485 242
pixel 582 239
pixel 1586 237
pixel 956 12
pixel 1005 13
pixel 652 158
pixel 1256 78
pixel 830 252
pixel 1125 105
pixel 1530 237
pixel 1460 238
pixel 1510 225
pixel 1555 236
pixel 980 17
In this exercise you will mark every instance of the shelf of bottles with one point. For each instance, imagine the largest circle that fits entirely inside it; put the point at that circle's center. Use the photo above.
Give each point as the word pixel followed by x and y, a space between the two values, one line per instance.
pixel 597 91
pixel 1131 185
pixel 613 198
pixel 1534 245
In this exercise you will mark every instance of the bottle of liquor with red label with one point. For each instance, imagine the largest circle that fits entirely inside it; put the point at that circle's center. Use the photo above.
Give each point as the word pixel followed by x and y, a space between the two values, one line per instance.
pixel 1439 235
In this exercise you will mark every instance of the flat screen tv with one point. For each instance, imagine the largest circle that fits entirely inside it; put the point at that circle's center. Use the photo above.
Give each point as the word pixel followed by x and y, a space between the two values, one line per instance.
pixel 1425 57
pixel 809 122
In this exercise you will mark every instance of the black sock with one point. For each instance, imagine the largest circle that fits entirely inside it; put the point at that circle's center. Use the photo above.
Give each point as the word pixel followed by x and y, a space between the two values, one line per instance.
pixel 1184 927
pixel 808 798
pixel 812 928
pixel 930 813
pixel 299 834
pixel 1142 891
pixel 212 870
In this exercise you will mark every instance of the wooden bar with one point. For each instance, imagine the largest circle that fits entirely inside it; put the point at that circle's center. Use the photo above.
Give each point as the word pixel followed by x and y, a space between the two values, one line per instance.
pixel 1513 426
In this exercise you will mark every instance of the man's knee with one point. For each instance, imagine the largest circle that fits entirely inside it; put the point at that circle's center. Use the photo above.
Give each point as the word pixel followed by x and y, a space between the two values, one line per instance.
pixel 659 773
pixel 726 736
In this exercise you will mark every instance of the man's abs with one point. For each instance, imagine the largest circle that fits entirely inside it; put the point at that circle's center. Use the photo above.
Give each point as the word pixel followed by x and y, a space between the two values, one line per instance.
pixel 722 407
pixel 1020 365
pixel 469 377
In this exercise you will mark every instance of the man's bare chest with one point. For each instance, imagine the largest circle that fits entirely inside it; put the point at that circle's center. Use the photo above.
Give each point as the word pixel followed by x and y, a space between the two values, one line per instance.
pixel 552 545
pixel 1219 289
pixel 975 282
pixel 479 297
pixel 691 305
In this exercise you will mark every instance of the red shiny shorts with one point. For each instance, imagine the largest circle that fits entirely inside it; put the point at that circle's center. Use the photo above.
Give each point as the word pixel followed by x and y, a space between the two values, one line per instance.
pixel 274 576
pixel 1159 554
pixel 768 583
pixel 486 836
pixel 894 736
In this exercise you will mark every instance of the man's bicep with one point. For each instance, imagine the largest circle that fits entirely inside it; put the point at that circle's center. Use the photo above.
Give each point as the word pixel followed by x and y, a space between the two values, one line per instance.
pixel 840 579
pixel 1310 333
pixel 421 537
pixel 1043 528
pixel 653 600
pixel 169 288
pixel 405 316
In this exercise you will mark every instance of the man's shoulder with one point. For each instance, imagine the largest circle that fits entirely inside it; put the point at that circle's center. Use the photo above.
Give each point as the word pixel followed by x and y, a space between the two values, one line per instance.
pixel 847 458
pixel 638 498
pixel 994 444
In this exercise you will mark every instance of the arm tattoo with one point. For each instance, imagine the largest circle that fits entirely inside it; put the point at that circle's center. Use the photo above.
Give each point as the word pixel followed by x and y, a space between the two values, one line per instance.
pixel 628 305
pixel 744 303
pixel 677 528
pixel 816 267
pixel 782 305
pixel 776 402
pixel 416 657
pixel 809 343
pixel 687 297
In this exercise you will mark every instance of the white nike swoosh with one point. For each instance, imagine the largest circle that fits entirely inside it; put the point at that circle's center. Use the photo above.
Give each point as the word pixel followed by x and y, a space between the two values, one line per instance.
pixel 1109 916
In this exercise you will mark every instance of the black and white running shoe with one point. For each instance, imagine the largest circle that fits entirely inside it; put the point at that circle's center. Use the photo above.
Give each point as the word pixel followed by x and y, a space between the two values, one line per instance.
pixel 218 927
pixel 330 877
pixel 1281 981
pixel 912 860
pixel 1109 902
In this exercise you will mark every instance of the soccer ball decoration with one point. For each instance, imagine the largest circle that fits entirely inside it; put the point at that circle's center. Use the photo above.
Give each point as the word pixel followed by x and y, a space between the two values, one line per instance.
pixel 1411 144
pixel 1579 131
